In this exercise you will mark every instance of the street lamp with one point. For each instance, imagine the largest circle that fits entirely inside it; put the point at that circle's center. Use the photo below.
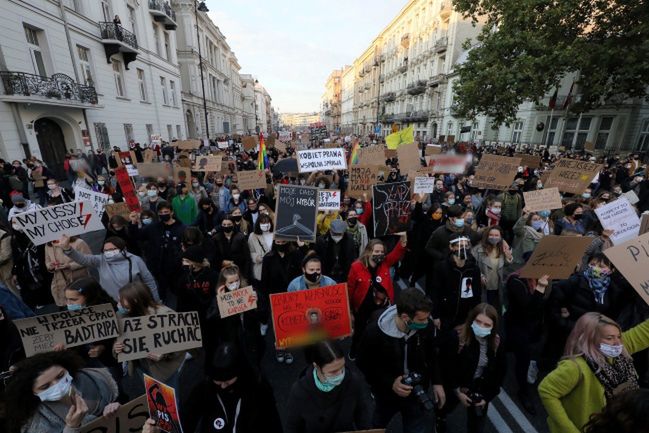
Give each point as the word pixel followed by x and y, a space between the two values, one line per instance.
pixel 202 8
pixel 254 94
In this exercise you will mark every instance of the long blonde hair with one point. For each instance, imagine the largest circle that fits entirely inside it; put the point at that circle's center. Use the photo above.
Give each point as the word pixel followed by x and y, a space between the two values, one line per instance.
pixel 367 252
pixel 584 338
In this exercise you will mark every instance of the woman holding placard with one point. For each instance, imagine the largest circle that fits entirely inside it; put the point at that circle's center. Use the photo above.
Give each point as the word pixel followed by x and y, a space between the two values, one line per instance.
pixel 528 232
pixel 64 269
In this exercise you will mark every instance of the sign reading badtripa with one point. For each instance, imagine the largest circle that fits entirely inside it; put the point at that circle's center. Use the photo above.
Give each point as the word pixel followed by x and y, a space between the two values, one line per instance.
pixel 329 199
pixel 321 159
pixel 69 328
pixel 621 217
pixel 158 333
pixel 50 223
pixel 236 301
pixel 97 199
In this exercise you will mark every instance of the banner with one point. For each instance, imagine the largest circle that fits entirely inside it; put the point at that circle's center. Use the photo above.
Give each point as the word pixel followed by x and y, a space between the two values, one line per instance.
pixel 70 328
pixel 632 260
pixel 120 208
pixel 495 172
pixel 556 256
pixel 372 155
pixel 98 200
pixel 128 160
pixel 542 199
pixel 445 164
pixel 570 175
pixel 361 179
pixel 251 179
pixel 621 217
pixel 391 208
pixel 128 191
pixel 321 160
pixel 295 213
pixel 531 161
pixel 236 301
pixel 158 333
pixel 329 199
pixel 424 185
pixel 307 316
pixel 163 405
pixel 208 163
pixel 249 142
pixel 130 417
pixel 409 157
pixel 50 223
pixel 190 144
pixel 154 169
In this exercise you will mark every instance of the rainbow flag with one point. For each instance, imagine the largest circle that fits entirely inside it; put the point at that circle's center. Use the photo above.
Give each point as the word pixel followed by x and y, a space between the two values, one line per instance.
pixel 353 157
pixel 262 159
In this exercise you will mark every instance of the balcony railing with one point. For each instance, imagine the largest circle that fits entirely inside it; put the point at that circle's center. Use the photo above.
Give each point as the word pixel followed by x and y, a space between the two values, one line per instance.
pixel 417 87
pixel 441 44
pixel 436 80
pixel 389 97
pixel 163 13
pixel 58 86
pixel 112 31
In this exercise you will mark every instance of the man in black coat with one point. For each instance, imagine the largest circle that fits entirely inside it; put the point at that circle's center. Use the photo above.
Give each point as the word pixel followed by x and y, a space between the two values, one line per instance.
pixel 337 251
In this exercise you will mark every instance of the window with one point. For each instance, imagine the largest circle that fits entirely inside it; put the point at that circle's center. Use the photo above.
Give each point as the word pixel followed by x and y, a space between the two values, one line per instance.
pixel 213 88
pixel 170 132
pixel 172 90
pixel 102 136
pixel 449 128
pixel 132 20
pixel 552 131
pixel 35 52
pixel 517 131
pixel 119 78
pixel 141 82
pixel 84 63
pixel 643 140
pixel 603 133
pixel 165 97
pixel 149 132
pixel 128 132
pixel 167 46
pixel 106 10
pixel 179 132
pixel 156 39
pixel 576 131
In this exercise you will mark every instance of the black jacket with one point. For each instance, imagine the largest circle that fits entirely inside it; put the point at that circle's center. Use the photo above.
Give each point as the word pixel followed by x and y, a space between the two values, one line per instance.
pixel 235 249
pixel 277 271
pixel 437 245
pixel 525 311
pixel 196 290
pixel 345 408
pixel 161 246
pixel 336 257
pixel 209 222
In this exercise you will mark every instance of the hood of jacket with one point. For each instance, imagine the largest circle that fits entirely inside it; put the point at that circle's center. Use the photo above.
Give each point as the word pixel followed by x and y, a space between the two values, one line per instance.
pixel 388 324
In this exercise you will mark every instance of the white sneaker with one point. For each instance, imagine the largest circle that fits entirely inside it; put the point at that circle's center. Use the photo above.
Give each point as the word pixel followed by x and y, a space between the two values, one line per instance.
pixel 532 372
pixel 263 329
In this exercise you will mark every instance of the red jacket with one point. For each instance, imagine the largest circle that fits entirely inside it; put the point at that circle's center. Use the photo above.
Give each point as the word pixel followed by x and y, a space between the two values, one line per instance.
pixel 366 216
pixel 360 278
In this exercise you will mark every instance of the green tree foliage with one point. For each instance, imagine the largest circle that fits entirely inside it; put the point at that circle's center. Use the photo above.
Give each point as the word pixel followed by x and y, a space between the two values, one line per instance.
pixel 526 47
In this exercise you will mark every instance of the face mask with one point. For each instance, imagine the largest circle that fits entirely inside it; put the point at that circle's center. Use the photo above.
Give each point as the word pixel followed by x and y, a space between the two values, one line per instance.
pixel 53 186
pixel 469 221
pixel 264 227
pixel 281 247
pixel 152 193
pixel 414 326
pixel 122 311
pixel 598 272
pixel 314 277
pixel 544 213
pixel 461 253
pixel 586 195
pixel 75 307
pixel 336 238
pixel 236 218
pixel 352 221
pixel 227 229
pixel 195 184
pixel 20 205
pixel 321 185
pixel 578 216
pixel 232 286
pixel 57 391
pixel 539 186
pixel 330 382
pixel 459 223
pixel 359 211
pixel 494 241
pixel 162 184
pixel 378 258
pixel 141 193
pixel 111 254
pixel 236 196
pixel 146 221
pixel 164 218
pixel 495 210
pixel 101 182
pixel 611 350
pixel 479 331
pixel 538 224
pixel 451 201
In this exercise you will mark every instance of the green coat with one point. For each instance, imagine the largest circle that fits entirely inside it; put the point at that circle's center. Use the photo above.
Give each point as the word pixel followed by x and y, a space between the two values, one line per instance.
pixel 571 393
pixel 185 209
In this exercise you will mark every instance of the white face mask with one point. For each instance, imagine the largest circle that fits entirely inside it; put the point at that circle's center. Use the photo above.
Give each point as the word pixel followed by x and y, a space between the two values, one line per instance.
pixel 264 227
pixel 152 193
pixel 611 350
pixel 236 196
pixel 51 186
pixel 141 193
pixel 57 391
pixel 111 254
pixel 232 286
pixel 101 182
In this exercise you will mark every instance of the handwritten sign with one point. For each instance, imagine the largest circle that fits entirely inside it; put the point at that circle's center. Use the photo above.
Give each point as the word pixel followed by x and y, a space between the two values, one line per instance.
pixel 307 316
pixel 361 179
pixel 444 163
pixel 432 149
pixel 98 200
pixel 495 172
pixel 321 159
pixel 130 417
pixel 251 179
pixel 542 199
pixel 249 142
pixel 48 224
pixel 556 256
pixel 621 217
pixel 329 199
pixel 391 208
pixel 70 328
pixel 372 155
pixel 424 185
pixel 120 208
pixel 527 160
pixel 208 163
pixel 187 144
pixel 158 333
pixel 236 301
pixel 573 176
pixel 154 169
pixel 128 190
pixel 632 260
pixel 127 160
pixel 163 405
pixel 295 213
pixel 409 157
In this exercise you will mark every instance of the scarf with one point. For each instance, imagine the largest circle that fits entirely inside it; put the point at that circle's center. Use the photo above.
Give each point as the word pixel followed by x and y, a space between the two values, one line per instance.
pixel 616 378
pixel 494 219
pixel 598 282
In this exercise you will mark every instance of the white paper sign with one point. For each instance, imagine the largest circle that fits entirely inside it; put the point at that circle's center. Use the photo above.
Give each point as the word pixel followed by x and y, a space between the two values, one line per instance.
pixel 329 199
pixel 631 196
pixel 424 185
pixel 97 199
pixel 50 223
pixel 321 160
pixel 621 217
pixel 222 144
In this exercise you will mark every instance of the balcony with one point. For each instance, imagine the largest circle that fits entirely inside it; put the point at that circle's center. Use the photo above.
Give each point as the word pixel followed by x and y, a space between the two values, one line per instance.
pixel 389 97
pixel 441 44
pixel 417 88
pixel 59 89
pixel 368 86
pixel 419 116
pixel 117 39
pixel 404 67
pixel 163 14
pixel 436 80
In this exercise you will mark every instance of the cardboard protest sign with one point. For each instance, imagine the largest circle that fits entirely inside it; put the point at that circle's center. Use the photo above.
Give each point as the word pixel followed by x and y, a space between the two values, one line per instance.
pixel 644 223
pixel 280 146
pixel 632 260
pixel 236 301
pixel 589 145
pixel 307 316
pixel 372 155
pixel 570 175
pixel 409 157
pixel 527 160
pixel 222 145
pixel 542 199
pixel 391 208
pixel 445 163
pixel 190 144
pixel 128 160
pixel 97 199
pixel 128 190
pixel 163 405
pixel 495 172
pixel 361 179
pixel 249 142
pixel 70 328
pixel 179 172
pixel 154 169
pixel 556 256
pixel 295 213
pixel 328 199
pixel 251 179
pixel 432 149
pixel 119 208
pixel 621 217
pixel 321 159
pixel 50 223
pixel 148 155
pixel 158 333
pixel 184 160
pixel 424 185
pixel 130 417
pixel 208 163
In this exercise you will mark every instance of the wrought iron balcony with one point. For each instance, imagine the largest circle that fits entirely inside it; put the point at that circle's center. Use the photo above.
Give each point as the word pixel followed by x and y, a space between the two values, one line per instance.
pixel 441 44
pixel 162 13
pixel 417 87
pixel 389 97
pixel 436 80
pixel 58 87
pixel 117 39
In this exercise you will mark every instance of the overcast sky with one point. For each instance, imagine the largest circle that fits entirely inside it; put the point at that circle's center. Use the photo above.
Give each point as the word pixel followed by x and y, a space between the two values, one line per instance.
pixel 291 47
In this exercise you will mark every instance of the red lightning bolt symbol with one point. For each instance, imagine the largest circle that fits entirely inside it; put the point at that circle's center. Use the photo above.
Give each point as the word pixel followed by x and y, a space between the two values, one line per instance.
pixel 87 216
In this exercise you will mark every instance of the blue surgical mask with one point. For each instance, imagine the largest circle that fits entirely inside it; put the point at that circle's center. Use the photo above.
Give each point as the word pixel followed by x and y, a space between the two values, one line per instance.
pixel 75 307
pixel 459 222
pixel 57 391
pixel 451 201
pixel 122 311
pixel 538 224
pixel 359 211
pixel 544 213
pixel 479 331
pixel 330 382
pixel 586 195
pixel 146 221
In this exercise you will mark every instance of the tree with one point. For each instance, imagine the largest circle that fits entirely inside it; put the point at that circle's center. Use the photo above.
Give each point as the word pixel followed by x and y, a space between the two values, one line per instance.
pixel 527 46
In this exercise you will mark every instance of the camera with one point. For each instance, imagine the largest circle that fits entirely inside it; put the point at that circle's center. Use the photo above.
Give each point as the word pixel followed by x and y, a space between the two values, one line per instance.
pixel 476 397
pixel 414 379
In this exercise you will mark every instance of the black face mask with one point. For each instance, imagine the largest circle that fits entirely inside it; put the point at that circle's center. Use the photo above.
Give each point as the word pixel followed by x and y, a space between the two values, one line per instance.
pixel 314 277
pixel 162 184
pixel 352 221
pixel 227 229
pixel 281 247
pixel 164 218
pixel 378 258
pixel 236 218
pixel 20 205
pixel 578 216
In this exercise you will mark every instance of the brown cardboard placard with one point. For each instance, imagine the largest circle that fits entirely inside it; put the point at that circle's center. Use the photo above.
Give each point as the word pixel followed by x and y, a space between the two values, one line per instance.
pixel 119 208
pixel 556 256
pixel 589 145
pixel 432 149
pixel 208 163
pixel 390 153
pixel 632 260
pixel 372 155
pixel 644 223
pixel 270 140
pixel 148 155
pixel 249 142
pixel 572 176
pixel 177 169
pixel 184 160
pixel 122 158
pixel 154 169
pixel 527 160
pixel 251 179
pixel 495 172
pixel 236 301
pixel 542 199
pixel 130 417
pixel 409 157
pixel 361 179
pixel 190 144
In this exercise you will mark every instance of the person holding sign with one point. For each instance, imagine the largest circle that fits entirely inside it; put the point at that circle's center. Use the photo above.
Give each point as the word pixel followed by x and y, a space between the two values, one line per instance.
pixel 528 232
pixel 596 367
pixel 64 269
pixel 49 392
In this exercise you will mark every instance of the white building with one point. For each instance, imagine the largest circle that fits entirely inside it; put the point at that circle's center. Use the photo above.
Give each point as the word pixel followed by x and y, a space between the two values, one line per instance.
pixel 73 79
pixel 248 94
pixel 347 100
pixel 263 109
